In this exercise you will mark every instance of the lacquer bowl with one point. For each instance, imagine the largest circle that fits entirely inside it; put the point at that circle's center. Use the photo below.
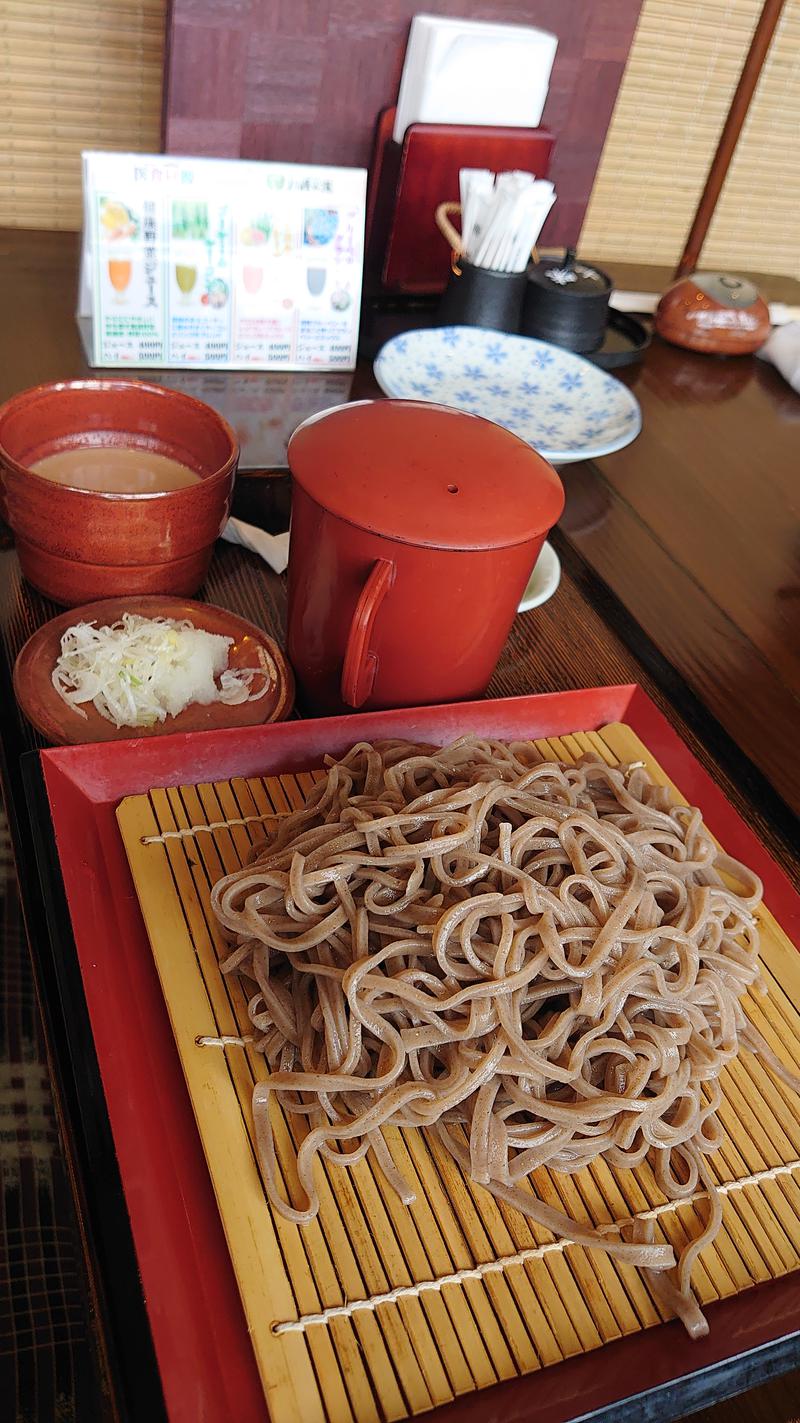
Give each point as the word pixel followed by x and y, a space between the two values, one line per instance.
pixel 77 545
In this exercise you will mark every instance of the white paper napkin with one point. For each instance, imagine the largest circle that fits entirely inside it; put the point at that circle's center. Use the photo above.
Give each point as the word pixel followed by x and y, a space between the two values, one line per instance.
pixel 473 72
pixel 273 548
pixel 782 350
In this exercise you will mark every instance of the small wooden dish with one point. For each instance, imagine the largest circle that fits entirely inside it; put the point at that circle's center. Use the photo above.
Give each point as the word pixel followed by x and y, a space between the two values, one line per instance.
pixel 62 726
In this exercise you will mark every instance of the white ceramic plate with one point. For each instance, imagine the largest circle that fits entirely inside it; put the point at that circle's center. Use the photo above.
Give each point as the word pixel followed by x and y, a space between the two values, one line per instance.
pixel 564 406
pixel 543 581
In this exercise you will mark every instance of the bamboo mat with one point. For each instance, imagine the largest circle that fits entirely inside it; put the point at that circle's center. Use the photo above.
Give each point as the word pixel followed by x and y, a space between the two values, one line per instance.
pixel 378 1310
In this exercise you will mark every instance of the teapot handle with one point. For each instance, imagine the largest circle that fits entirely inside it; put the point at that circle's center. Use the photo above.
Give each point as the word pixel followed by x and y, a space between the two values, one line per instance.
pixel 361 664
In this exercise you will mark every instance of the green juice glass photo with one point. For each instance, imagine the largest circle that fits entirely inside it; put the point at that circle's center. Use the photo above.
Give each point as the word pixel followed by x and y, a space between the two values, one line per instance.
pixel 186 277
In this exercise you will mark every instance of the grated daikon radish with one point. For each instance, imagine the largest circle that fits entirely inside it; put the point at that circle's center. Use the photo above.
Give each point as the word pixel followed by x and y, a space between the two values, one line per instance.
pixel 141 670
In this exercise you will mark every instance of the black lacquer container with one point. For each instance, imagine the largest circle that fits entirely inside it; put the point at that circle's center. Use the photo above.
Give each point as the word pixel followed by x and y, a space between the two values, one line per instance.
pixel 566 302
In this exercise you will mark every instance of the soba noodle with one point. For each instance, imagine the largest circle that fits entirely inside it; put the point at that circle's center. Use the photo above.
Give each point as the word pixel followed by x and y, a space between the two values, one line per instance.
pixel 540 963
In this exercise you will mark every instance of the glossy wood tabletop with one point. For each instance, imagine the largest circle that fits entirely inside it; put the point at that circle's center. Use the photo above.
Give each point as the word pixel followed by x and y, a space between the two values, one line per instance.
pixel 584 636
pixel 696 527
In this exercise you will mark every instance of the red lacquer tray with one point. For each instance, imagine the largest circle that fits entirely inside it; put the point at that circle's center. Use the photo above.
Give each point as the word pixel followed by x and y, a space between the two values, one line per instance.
pixel 206 1364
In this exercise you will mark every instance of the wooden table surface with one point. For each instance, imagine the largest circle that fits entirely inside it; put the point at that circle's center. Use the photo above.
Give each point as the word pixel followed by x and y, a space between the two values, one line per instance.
pixel 615 615
pixel 696 528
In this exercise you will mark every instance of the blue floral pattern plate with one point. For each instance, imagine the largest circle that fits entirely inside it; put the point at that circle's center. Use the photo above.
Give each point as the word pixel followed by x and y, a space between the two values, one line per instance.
pixel 564 406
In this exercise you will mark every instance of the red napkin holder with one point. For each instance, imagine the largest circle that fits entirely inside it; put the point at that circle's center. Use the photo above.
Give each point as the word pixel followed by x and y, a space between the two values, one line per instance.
pixel 406 252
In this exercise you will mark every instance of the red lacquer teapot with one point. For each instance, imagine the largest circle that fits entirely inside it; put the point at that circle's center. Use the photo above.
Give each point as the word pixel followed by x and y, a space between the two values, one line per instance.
pixel 414 531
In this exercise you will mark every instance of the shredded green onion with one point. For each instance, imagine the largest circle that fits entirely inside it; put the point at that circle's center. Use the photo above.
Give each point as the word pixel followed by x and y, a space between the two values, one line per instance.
pixel 139 671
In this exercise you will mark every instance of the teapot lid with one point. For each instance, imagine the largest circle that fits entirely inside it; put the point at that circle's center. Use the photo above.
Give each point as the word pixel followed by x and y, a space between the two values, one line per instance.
pixel 570 277
pixel 425 474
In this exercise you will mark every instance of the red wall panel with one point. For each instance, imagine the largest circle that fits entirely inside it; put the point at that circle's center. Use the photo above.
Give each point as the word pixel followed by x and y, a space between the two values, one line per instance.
pixel 304 80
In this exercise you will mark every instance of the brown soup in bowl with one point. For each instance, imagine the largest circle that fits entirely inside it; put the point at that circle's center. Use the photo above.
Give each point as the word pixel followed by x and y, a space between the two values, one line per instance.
pixel 114 487
pixel 115 470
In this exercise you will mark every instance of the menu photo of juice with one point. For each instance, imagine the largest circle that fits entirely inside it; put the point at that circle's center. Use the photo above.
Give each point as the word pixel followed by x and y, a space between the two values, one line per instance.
pixel 128 279
pixel 199 281
pixel 319 229
pixel 267 242
pixel 326 316
pixel 121 228
pixel 188 238
pixel 255 238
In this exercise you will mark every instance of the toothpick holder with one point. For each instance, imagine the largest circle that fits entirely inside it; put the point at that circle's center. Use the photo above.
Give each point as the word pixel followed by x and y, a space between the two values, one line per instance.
pixel 478 296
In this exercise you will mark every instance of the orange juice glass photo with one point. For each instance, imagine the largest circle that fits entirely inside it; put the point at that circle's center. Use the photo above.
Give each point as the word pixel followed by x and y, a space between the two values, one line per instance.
pixel 119 274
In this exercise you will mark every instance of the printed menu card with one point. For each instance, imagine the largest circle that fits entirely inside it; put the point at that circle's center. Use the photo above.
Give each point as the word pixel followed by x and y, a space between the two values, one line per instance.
pixel 205 262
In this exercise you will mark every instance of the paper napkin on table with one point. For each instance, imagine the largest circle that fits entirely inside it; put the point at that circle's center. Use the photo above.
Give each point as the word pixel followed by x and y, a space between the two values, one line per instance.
pixel 782 350
pixel 273 548
pixel 473 72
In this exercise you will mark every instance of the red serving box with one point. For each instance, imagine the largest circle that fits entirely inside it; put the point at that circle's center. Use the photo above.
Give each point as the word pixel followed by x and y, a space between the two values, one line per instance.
pixel 207 1367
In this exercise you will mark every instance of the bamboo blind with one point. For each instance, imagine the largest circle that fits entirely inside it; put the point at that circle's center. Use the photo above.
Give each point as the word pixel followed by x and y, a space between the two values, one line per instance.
pixel 74 74
pixel 682 71
pixel 377 1310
